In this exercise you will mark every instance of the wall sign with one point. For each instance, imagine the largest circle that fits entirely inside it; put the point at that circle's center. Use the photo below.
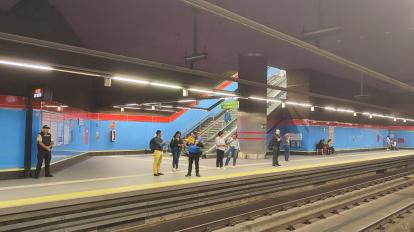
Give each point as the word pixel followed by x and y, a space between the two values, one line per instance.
pixel 230 105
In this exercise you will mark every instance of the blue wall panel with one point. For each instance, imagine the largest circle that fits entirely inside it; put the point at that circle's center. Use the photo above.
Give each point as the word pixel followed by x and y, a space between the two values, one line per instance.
pixel 12 124
pixel 406 138
pixel 344 137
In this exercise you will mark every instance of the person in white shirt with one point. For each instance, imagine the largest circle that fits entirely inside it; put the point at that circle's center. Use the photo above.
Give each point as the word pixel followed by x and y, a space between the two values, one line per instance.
pixel 388 141
pixel 234 145
pixel 220 148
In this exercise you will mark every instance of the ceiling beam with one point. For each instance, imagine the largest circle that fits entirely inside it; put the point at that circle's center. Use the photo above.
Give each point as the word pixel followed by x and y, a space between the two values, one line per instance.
pixel 219 11
pixel 125 59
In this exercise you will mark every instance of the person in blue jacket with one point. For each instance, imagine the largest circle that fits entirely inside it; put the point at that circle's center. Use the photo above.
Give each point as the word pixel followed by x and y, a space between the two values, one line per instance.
pixel 227 117
pixel 194 152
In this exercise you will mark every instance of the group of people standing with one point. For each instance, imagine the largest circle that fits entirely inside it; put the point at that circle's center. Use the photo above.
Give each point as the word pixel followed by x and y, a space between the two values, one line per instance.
pixel 194 144
pixel 177 144
pixel 276 142
pixel 232 145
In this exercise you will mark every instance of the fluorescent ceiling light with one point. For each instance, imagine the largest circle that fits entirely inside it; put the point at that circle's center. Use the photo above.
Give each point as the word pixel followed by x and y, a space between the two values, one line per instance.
pixel 78 72
pixel 127 107
pixel 132 108
pixel 52 106
pixel 329 108
pixel 312 108
pixel 264 99
pixel 118 78
pixel 186 100
pixel 345 110
pixel 212 92
pixel 378 115
pixel 166 85
pixel 26 65
pixel 298 104
pixel 258 98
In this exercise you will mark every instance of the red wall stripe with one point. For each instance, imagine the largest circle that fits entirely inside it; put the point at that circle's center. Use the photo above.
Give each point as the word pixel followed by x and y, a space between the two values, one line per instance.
pixel 307 122
pixel 251 132
pixel 252 139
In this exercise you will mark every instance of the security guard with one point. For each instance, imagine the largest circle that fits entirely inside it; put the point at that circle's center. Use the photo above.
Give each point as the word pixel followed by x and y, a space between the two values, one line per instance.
pixel 44 151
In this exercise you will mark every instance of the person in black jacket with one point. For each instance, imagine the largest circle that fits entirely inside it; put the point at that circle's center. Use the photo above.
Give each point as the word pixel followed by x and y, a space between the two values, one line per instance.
pixel 276 147
pixel 44 151
pixel 176 146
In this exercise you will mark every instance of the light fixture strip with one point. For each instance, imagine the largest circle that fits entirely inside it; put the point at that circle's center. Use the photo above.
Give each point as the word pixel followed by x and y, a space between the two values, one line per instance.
pixel 26 65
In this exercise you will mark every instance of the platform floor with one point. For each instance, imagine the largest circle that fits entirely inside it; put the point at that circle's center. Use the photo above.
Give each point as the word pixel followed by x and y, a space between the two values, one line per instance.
pixel 103 175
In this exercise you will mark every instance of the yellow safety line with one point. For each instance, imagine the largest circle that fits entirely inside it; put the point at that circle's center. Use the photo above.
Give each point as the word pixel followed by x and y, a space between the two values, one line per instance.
pixel 101 192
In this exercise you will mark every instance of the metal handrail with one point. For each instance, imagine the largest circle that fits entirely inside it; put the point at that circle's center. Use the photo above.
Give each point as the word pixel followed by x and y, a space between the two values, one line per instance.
pixel 226 136
pixel 204 119
pixel 221 115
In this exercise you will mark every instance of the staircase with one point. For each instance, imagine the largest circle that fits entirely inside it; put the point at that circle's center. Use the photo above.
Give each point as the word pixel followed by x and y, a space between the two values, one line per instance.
pixel 210 130
pixel 276 80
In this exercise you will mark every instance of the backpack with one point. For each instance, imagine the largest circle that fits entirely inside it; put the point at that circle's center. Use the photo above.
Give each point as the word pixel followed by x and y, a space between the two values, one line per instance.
pixel 152 144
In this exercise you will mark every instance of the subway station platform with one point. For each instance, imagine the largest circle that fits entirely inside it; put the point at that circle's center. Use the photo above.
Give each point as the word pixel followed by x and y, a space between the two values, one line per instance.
pixel 102 176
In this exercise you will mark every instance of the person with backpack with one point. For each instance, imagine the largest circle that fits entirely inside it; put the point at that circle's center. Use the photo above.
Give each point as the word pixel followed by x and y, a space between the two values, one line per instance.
pixel 194 151
pixel 156 145
pixel 176 145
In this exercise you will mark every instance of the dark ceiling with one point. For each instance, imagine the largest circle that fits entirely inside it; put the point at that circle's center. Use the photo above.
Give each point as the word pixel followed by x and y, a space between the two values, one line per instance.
pixel 376 33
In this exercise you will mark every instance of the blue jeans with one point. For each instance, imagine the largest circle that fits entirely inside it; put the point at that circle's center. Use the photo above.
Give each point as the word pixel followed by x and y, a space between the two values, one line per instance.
pixel 233 153
pixel 287 152
pixel 176 151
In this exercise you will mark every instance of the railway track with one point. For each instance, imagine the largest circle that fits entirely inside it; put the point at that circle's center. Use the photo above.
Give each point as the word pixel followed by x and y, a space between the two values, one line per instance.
pixel 390 219
pixel 133 210
pixel 302 218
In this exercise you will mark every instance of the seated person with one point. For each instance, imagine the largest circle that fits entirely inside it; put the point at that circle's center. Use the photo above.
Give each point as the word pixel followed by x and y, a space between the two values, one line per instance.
pixel 394 145
pixel 319 147
pixel 330 146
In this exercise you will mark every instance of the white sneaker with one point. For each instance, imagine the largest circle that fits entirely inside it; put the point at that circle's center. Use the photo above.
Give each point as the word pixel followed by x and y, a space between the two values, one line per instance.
pixel 217 168
pixel 176 169
pixel 234 166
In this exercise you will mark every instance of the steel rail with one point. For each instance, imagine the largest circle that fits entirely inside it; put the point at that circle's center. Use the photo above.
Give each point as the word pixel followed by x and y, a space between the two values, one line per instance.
pixel 107 212
pixel 249 216
pixel 391 218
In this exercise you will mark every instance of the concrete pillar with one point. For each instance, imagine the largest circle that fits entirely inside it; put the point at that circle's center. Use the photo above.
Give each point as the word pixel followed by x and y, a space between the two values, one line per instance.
pixel 251 119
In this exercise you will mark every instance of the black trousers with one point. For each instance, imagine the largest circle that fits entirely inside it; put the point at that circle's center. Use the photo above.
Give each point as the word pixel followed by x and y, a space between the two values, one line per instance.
pixel 193 157
pixel 219 159
pixel 276 152
pixel 43 155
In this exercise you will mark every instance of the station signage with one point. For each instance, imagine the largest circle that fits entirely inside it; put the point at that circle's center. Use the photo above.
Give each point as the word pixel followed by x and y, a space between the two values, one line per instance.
pixel 38 94
pixel 230 105
pixel 42 94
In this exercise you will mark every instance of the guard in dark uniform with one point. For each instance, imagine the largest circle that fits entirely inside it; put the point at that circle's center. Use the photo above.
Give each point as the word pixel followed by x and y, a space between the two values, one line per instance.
pixel 44 151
